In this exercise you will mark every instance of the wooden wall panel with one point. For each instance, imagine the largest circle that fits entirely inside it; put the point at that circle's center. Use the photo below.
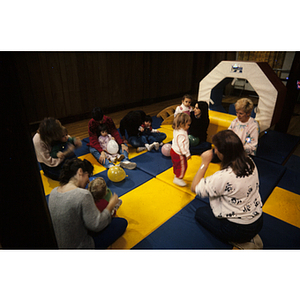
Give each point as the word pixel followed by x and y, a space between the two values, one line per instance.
pixel 66 84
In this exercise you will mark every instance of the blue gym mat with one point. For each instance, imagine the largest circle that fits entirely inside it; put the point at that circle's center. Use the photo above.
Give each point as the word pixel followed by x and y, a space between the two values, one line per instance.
pixel 153 162
pixel 293 163
pixel 182 231
pixel 290 181
pixel 84 149
pixel 276 146
pixel 269 175
pixel 134 179
pixel 277 234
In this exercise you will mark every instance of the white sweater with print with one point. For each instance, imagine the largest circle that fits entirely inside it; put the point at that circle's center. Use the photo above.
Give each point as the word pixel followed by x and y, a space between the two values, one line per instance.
pixel 234 198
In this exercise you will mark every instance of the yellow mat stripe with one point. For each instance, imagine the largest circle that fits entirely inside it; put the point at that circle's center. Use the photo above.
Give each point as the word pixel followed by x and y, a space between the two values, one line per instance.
pixel 146 208
pixel 284 205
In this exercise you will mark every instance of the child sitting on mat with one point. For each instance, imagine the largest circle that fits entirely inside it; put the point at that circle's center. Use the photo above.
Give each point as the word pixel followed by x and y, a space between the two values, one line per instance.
pixel 180 152
pixel 145 131
pixel 65 147
pixel 185 106
pixel 103 139
pixel 102 194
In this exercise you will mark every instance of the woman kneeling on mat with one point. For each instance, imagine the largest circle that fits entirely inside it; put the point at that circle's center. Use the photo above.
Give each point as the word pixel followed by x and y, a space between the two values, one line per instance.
pixel 50 133
pixel 235 212
pixel 76 220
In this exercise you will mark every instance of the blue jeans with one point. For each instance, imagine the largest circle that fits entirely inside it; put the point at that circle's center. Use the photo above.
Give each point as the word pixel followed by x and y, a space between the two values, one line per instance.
pixel 140 141
pixel 106 164
pixel 225 230
pixel 110 234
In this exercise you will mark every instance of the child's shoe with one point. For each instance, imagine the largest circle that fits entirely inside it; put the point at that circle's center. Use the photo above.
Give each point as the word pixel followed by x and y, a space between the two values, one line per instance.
pixel 120 157
pixel 113 160
pixel 126 164
pixel 149 147
pixel 179 181
pixel 156 146
pixel 140 149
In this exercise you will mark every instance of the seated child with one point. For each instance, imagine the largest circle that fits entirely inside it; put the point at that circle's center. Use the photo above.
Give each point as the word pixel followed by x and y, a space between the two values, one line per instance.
pixel 145 131
pixel 104 138
pixel 185 106
pixel 65 147
pixel 102 194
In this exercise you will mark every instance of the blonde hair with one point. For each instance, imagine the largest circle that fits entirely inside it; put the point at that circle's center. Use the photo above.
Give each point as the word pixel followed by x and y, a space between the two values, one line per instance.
pixel 244 104
pixel 180 120
pixel 98 188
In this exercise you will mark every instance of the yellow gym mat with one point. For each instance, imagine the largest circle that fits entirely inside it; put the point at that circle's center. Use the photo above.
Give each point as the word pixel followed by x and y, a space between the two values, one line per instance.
pixel 284 205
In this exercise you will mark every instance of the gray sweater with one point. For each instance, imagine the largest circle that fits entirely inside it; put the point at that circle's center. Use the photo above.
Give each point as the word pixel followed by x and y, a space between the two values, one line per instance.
pixel 73 213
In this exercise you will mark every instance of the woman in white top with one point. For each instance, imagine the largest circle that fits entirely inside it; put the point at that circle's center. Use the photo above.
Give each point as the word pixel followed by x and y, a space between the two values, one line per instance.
pixel 245 126
pixel 235 212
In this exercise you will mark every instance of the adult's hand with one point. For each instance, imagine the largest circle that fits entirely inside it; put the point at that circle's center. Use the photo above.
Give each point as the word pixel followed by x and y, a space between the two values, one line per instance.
pixel 124 147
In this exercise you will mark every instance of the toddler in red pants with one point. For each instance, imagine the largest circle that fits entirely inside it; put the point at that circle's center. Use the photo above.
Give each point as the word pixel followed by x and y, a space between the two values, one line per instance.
pixel 180 152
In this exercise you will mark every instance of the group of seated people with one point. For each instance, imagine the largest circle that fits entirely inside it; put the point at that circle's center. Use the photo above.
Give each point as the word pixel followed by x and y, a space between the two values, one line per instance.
pixel 80 223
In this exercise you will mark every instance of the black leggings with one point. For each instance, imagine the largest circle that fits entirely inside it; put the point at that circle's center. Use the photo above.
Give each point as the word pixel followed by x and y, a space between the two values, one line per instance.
pixel 225 230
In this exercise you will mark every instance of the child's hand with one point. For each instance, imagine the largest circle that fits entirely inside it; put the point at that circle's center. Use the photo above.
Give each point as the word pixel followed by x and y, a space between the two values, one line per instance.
pixel 71 148
pixel 77 142
pixel 142 129
pixel 113 138
pixel 112 202
pixel 60 155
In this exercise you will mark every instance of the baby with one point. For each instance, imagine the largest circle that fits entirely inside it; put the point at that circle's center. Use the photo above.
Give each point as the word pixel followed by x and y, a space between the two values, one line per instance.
pixel 185 106
pixel 66 146
pixel 145 132
pixel 102 194
pixel 103 139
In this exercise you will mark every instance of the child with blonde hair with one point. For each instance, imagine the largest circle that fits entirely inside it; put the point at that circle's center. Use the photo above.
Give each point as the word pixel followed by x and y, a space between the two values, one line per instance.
pixel 185 106
pixel 102 194
pixel 180 152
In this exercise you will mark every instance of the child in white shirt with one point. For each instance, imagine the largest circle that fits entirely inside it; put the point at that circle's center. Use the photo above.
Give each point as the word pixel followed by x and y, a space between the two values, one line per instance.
pixel 185 106
pixel 180 152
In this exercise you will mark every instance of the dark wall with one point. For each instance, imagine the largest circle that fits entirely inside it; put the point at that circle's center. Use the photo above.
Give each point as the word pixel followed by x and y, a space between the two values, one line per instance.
pixel 64 84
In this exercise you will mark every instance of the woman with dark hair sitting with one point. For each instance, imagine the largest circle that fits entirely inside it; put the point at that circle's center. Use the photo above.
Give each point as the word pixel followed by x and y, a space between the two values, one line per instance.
pixel 235 212
pixel 76 220
pixel 50 133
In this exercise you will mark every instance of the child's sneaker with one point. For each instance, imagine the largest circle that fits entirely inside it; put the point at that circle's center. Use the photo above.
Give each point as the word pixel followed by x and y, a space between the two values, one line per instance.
pixel 149 147
pixel 120 157
pixel 156 146
pixel 113 160
pixel 179 181
pixel 140 149
pixel 126 164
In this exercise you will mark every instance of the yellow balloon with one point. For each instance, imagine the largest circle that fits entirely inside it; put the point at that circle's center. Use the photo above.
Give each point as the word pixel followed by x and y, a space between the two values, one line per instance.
pixel 116 174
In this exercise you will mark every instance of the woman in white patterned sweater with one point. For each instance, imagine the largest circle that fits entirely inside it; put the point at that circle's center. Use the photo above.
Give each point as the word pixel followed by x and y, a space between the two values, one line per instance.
pixel 235 212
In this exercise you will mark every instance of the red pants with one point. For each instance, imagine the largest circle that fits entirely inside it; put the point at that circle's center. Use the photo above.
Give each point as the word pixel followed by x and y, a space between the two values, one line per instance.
pixel 179 164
